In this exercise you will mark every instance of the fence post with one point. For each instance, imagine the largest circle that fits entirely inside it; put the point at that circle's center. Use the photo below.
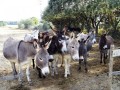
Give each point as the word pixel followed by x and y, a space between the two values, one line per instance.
pixel 110 68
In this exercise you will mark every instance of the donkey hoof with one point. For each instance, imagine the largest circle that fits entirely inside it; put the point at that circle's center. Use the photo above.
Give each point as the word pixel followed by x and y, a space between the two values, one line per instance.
pixel 104 63
pixel 56 73
pixel 30 83
pixel 20 84
pixel 65 76
pixel 44 76
pixel 61 66
pixel 100 62
pixel 68 75
pixel 15 77
pixel 52 75
pixel 86 70
pixel 79 69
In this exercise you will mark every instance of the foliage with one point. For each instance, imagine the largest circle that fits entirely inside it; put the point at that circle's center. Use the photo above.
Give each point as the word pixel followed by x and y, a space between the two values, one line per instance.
pixel 46 25
pixel 28 23
pixel 34 21
pixel 84 13
pixel 100 31
pixel 2 23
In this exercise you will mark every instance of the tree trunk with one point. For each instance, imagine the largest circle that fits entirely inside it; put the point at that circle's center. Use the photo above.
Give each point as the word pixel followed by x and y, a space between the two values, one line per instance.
pixel 96 30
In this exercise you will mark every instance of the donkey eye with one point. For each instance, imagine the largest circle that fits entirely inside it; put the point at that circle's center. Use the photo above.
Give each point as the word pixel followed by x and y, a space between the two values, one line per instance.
pixel 40 59
pixel 59 40
pixel 67 38
pixel 72 47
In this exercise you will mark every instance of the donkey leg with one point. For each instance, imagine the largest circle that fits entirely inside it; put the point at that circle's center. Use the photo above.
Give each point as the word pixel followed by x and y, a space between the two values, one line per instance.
pixel 101 55
pixel 28 74
pixel 88 54
pixel 20 74
pixel 79 65
pixel 39 72
pixel 68 68
pixel 14 69
pixel 104 58
pixel 33 63
pixel 62 61
pixel 106 54
pixel 66 65
pixel 85 63
pixel 56 67
pixel 52 68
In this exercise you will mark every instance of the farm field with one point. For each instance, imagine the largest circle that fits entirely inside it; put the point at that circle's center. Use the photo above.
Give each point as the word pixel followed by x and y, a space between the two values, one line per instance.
pixel 95 79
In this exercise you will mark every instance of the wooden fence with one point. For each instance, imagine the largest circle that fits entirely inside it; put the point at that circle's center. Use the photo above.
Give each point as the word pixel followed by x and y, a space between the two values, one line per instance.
pixel 113 53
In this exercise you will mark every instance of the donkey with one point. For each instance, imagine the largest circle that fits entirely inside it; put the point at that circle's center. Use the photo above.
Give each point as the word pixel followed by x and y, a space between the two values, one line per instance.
pixel 70 52
pixel 85 45
pixel 55 53
pixel 105 43
pixel 83 54
pixel 42 59
pixel 89 39
pixel 53 50
pixel 20 52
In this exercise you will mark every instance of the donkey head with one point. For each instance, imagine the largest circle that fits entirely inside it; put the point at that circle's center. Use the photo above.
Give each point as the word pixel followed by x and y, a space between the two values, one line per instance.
pixel 70 45
pixel 73 47
pixel 82 49
pixel 92 37
pixel 42 59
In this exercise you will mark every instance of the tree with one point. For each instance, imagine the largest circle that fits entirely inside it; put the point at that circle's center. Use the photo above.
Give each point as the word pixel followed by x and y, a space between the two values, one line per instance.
pixel 34 21
pixel 84 13
pixel 2 23
pixel 28 23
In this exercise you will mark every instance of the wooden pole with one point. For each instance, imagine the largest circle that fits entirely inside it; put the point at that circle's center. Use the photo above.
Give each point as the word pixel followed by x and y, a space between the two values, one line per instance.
pixel 110 68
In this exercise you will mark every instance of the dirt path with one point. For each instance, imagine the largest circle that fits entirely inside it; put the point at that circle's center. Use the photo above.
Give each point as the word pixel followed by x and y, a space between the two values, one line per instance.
pixel 95 79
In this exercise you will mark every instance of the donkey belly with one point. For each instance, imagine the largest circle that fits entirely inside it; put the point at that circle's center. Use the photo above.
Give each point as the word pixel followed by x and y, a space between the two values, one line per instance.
pixel 10 50
pixel 89 46
pixel 10 53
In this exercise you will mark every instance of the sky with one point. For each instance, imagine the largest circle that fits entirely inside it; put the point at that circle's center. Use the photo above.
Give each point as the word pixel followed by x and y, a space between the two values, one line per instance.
pixel 15 10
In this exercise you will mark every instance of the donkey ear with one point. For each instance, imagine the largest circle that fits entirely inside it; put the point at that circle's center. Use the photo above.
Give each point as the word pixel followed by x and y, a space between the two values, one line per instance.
pixel 72 35
pixel 84 41
pixel 88 37
pixel 79 41
pixel 48 44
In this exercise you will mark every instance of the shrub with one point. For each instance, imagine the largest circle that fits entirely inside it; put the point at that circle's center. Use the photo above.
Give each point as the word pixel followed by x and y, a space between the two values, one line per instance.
pixel 84 31
pixel 2 23
pixel 28 23
pixel 101 31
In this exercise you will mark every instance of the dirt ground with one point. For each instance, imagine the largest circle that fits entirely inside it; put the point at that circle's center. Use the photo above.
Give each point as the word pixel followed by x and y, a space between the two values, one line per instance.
pixel 95 79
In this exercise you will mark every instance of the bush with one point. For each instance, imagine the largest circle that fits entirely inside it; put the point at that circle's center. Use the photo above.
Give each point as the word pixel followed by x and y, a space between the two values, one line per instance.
pixel 2 23
pixel 115 34
pixel 21 25
pixel 101 31
pixel 40 26
pixel 46 26
pixel 84 31
pixel 28 23
pixel 34 21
